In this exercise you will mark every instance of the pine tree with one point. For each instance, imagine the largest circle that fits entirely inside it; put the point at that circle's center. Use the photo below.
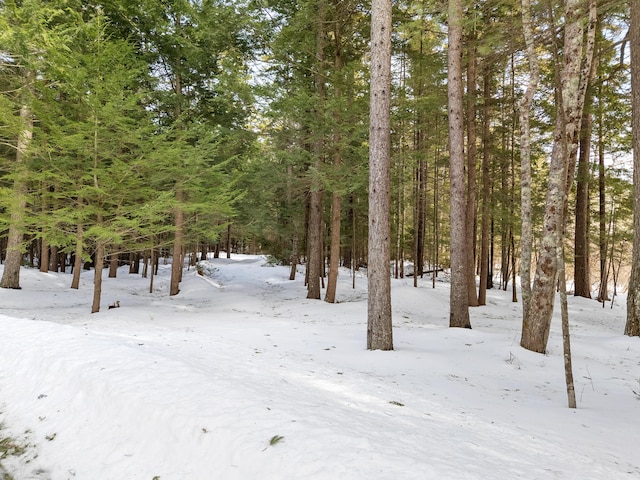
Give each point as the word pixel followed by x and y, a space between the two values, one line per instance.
pixel 459 298
pixel 379 329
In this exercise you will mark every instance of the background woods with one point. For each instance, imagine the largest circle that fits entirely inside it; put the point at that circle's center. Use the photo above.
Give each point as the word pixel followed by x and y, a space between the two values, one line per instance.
pixel 135 132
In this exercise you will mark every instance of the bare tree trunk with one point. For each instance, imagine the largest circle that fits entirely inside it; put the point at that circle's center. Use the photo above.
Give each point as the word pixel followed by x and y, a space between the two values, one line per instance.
pixel 44 255
pixel 582 277
pixel 145 264
pixel 379 323
pixel 294 256
pixel 474 301
pixel 419 216
pixel 178 240
pixel 153 261
pixel 336 198
pixel 486 190
pixel 459 297
pixel 632 327
pixel 113 263
pixel 334 256
pixel 53 259
pixel 574 77
pixel 314 236
pixel 524 107
pixel 566 337
pixel 97 277
pixel 18 206
pixel 77 264
pixel 603 237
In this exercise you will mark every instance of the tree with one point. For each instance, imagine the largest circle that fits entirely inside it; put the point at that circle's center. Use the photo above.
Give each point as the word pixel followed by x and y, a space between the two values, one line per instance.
pixel 315 261
pixel 20 49
pixel 524 110
pixel 379 325
pixel 459 298
pixel 475 297
pixel 632 327
pixel 573 78
pixel 17 205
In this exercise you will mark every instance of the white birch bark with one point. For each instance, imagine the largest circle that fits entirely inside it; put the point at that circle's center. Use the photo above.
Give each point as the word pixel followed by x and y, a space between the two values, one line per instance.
pixel 573 82
pixel 524 106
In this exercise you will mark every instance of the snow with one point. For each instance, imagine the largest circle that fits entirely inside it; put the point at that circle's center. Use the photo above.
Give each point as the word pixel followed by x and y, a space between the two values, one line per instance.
pixel 202 385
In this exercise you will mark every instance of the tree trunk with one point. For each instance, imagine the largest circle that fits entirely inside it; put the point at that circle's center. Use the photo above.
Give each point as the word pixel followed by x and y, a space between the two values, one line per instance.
pixel 379 323
pixel 486 190
pixel 178 240
pixel 314 237
pixel 470 223
pixel 603 291
pixel 632 327
pixel 419 218
pixel 574 77
pixel 334 256
pixel 154 263
pixel 77 263
pixel 566 337
pixel 53 259
pixel 336 198
pixel 17 206
pixel 459 297
pixel 582 280
pixel 524 107
pixel 113 264
pixel 97 278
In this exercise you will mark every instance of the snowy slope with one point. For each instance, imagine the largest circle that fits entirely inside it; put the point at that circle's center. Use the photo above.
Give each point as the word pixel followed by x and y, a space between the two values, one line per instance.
pixel 197 386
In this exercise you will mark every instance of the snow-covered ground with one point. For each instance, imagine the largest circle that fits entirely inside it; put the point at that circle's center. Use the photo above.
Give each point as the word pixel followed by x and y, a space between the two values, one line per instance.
pixel 241 377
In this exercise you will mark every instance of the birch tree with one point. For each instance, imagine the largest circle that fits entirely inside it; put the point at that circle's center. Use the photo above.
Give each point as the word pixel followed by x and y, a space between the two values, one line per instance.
pixel 524 108
pixel 580 16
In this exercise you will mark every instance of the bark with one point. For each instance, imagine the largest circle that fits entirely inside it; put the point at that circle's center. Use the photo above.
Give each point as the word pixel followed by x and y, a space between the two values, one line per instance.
pixel 334 256
pixel 294 256
pixel 486 187
pixel 581 276
pixel 574 76
pixel 113 264
pixel 632 327
pixel 379 324
pixel 419 219
pixel 459 297
pixel 154 263
pixel 178 240
pixel 603 238
pixel 336 198
pixel 97 278
pixel 566 337
pixel 314 235
pixel 53 259
pixel 77 263
pixel 474 301
pixel 17 207
pixel 524 108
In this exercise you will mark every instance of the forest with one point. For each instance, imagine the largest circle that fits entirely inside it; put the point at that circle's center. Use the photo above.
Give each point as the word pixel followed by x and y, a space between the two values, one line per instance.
pixel 493 140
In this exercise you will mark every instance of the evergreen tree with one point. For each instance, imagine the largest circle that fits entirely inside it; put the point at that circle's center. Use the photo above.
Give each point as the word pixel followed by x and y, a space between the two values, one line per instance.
pixel 379 329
